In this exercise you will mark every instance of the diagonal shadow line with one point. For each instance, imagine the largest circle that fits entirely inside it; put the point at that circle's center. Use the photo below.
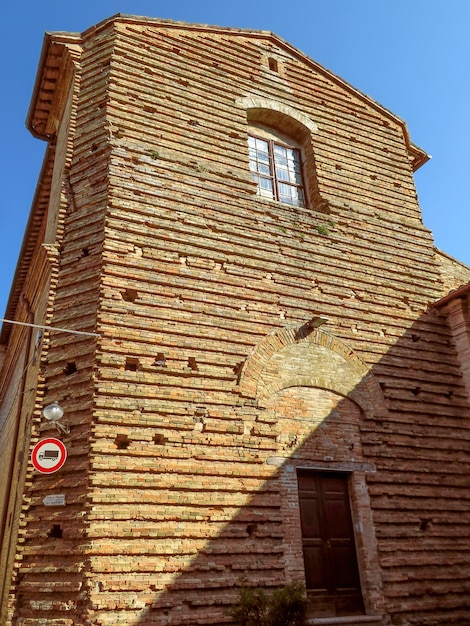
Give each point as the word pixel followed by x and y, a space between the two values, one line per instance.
pixel 189 541
pixel 412 464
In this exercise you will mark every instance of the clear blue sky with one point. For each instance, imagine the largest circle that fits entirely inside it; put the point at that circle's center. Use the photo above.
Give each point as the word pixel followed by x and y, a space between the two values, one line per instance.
pixel 412 56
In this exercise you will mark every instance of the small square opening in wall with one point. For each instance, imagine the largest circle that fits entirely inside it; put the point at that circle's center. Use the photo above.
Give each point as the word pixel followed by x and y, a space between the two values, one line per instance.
pixel 56 531
pixel 132 364
pixel 122 442
pixel 273 64
pixel 192 364
pixel 160 360
pixel 70 368
pixel 130 295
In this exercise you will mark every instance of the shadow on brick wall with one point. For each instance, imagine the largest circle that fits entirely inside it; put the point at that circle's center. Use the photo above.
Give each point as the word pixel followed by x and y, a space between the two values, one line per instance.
pixel 410 454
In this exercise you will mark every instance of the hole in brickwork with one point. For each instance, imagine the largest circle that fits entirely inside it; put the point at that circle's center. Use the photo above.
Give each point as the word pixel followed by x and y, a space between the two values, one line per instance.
pixel 416 391
pixel 424 525
pixel 160 360
pixel 159 439
pixel 132 364
pixel 85 252
pixel 192 364
pixel 237 370
pixel 70 368
pixel 94 147
pixel 273 64
pixel 450 394
pixel 383 386
pixel 415 338
pixel 251 529
pixel 56 531
pixel 130 295
pixel 122 442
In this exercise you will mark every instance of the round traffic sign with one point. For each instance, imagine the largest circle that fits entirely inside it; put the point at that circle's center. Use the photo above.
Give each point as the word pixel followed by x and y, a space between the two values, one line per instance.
pixel 48 455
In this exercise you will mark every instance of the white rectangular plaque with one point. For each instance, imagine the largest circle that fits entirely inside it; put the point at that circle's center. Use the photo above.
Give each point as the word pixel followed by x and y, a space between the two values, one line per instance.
pixel 55 500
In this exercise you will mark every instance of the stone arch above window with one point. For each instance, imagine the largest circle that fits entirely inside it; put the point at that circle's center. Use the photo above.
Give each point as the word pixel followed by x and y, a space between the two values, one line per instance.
pixel 295 131
pixel 319 360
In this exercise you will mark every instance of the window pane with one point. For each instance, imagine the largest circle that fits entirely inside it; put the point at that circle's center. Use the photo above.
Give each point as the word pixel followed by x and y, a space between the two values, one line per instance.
pixel 266 184
pixel 281 180
pixel 261 145
pixel 291 195
pixel 287 164
pixel 283 174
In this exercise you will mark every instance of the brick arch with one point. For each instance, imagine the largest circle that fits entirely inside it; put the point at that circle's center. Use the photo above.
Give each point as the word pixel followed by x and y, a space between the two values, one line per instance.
pixel 319 360
pixel 275 113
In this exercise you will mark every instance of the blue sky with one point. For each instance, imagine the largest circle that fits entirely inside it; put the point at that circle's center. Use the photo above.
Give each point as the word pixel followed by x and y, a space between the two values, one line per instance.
pixel 412 56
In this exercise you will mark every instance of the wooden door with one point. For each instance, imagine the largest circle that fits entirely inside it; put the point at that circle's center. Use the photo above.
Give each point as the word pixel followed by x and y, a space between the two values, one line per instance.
pixel 331 570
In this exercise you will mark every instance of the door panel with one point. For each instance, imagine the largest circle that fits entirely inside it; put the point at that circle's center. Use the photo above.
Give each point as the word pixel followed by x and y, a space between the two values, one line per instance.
pixel 330 561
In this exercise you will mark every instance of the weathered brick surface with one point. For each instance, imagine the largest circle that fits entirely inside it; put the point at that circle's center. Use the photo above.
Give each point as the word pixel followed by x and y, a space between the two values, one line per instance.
pixel 206 387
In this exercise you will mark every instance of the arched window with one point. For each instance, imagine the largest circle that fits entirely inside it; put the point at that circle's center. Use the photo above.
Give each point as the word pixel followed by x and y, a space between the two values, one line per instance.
pixel 276 166
pixel 280 145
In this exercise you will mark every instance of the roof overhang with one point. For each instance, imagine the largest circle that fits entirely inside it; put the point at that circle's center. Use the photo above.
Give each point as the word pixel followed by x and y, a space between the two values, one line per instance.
pixel 455 294
pixel 50 92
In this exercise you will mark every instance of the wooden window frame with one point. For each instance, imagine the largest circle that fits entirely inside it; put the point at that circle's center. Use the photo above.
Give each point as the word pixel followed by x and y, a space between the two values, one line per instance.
pixel 272 176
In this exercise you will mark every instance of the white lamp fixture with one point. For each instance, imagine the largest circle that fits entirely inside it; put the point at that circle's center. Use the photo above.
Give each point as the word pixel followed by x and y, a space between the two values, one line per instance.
pixel 53 413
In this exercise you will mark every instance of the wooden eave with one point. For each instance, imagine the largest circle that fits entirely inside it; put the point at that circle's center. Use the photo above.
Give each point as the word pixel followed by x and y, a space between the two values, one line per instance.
pixel 49 92
pixel 461 292
pixel 47 104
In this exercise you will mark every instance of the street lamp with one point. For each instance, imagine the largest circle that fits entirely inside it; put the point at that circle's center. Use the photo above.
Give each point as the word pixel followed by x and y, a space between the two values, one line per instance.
pixel 53 413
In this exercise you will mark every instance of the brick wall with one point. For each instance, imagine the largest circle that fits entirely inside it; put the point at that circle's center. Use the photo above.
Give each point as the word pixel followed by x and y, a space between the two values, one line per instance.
pixel 208 385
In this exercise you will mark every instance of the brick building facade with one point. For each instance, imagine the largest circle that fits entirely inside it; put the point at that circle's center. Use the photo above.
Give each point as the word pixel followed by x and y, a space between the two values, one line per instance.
pixel 255 379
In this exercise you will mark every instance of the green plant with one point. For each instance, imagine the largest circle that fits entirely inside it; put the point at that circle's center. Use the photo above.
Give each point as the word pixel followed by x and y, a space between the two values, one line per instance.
pixel 284 607
pixel 251 608
pixel 323 229
pixel 289 606
pixel 155 154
